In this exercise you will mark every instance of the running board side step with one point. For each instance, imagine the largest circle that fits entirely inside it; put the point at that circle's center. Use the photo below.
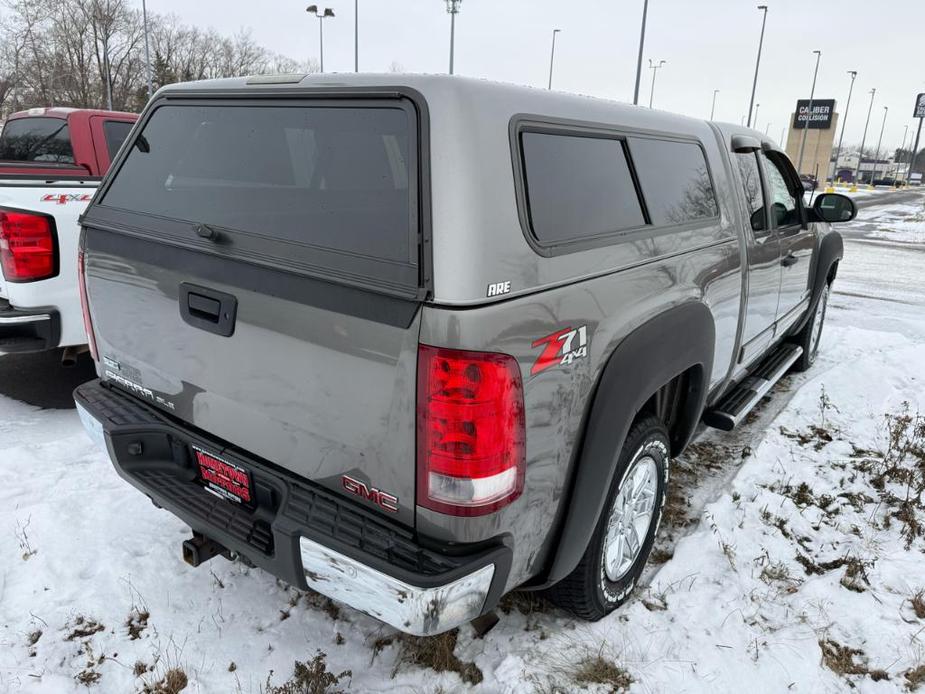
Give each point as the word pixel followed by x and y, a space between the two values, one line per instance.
pixel 742 399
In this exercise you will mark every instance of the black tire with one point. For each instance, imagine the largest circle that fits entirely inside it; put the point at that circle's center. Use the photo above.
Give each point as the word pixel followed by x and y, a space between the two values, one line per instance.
pixel 811 335
pixel 589 592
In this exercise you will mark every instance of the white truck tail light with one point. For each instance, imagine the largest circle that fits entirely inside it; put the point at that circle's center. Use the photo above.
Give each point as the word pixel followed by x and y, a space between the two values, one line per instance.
pixel 28 246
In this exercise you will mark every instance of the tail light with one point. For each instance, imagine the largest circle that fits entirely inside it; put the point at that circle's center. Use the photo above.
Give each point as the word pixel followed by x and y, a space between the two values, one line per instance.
pixel 470 431
pixel 28 248
pixel 85 304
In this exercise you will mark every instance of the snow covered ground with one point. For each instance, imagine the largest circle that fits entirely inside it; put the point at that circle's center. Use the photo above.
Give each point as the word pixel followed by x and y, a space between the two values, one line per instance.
pixel 792 555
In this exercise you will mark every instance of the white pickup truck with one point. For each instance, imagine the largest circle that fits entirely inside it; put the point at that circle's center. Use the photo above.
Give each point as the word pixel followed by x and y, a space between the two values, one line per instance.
pixel 51 162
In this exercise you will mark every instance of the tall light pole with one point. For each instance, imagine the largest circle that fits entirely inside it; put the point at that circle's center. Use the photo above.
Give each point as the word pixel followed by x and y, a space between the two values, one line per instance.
pixel 809 114
pixel 654 67
pixel 767 129
pixel 844 120
pixel 857 171
pixel 144 16
pixel 713 107
pixel 356 35
pixel 452 7
pixel 764 19
pixel 552 56
pixel 757 106
pixel 873 176
pixel 328 12
pixel 642 43
pixel 902 148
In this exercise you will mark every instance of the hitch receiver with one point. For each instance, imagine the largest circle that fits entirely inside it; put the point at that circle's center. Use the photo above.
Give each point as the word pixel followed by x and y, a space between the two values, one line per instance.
pixel 199 549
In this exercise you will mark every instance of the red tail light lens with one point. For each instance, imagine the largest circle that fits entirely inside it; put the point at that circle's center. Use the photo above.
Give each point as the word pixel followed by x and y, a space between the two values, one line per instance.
pixel 27 247
pixel 470 431
pixel 85 304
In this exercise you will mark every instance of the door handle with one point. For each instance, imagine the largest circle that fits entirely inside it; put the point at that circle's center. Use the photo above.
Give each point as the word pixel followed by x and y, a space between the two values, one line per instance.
pixel 204 307
pixel 208 309
pixel 789 259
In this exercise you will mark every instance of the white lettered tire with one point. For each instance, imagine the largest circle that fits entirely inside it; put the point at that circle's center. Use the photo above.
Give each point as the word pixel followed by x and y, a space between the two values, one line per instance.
pixel 621 543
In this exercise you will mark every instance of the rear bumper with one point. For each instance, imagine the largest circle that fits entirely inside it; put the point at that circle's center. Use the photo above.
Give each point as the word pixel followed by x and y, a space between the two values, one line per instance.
pixel 28 330
pixel 301 533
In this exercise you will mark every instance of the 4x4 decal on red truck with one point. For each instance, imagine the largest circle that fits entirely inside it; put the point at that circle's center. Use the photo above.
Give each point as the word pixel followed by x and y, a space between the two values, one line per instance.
pixel 561 348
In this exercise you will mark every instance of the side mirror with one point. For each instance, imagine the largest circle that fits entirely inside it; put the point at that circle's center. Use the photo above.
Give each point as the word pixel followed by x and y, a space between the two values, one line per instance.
pixel 744 144
pixel 834 207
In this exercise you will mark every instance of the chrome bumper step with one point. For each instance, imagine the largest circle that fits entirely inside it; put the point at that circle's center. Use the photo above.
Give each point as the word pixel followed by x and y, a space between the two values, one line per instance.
pixel 741 400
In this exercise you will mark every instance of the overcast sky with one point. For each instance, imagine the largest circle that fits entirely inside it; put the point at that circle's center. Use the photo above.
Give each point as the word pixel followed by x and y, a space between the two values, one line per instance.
pixel 709 44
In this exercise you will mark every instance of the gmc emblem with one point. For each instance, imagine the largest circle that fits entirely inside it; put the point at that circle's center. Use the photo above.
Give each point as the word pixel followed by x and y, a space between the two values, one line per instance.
pixel 382 499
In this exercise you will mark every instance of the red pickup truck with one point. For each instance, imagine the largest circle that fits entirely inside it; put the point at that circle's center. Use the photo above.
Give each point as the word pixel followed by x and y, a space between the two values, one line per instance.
pixel 51 162
pixel 62 142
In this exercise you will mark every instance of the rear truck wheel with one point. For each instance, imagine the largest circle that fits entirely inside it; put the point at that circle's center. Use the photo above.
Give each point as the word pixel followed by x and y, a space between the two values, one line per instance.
pixel 622 540
pixel 808 338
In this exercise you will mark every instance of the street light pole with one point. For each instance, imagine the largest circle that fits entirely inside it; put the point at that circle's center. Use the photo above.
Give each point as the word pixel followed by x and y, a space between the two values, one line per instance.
pixel 642 42
pixel 713 107
pixel 809 113
pixel 902 148
pixel 857 171
pixel 844 120
pixel 654 67
pixel 328 12
pixel 356 35
pixel 452 6
pixel 873 176
pixel 764 19
pixel 552 56
pixel 757 106
pixel 144 16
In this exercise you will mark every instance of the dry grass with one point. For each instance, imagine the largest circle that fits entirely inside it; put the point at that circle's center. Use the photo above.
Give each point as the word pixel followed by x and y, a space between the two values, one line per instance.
pixel 915 678
pixel 600 670
pixel 136 623
pixel 173 681
pixel 846 661
pixel 82 627
pixel 436 653
pixel 310 677
pixel 918 604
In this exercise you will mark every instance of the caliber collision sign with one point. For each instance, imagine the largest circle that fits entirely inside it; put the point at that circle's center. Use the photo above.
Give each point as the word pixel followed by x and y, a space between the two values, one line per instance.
pixel 819 119
pixel 919 106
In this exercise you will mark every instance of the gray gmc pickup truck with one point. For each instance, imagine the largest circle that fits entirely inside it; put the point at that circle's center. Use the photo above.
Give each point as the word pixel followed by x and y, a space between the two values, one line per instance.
pixel 414 342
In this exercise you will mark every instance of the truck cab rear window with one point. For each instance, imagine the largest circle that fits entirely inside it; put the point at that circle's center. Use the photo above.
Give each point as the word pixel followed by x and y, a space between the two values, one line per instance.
pixel 40 139
pixel 338 179
pixel 115 132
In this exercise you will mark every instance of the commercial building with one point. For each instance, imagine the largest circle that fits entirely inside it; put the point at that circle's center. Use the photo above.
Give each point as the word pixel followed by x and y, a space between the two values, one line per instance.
pixel 820 127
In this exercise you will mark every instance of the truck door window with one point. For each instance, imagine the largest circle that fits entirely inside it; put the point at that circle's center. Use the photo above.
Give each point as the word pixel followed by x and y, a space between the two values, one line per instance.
pixel 675 180
pixel 785 208
pixel 754 196
pixel 39 139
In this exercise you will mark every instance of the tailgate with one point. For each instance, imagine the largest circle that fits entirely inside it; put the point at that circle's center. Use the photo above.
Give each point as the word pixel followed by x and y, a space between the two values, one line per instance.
pixel 253 270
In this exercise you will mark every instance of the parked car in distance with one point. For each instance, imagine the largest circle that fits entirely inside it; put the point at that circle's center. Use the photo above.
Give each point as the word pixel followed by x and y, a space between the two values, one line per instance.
pixel 337 337
pixel 809 182
pixel 51 162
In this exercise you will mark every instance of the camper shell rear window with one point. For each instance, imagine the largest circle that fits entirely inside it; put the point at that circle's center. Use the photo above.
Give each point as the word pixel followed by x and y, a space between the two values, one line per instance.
pixel 327 187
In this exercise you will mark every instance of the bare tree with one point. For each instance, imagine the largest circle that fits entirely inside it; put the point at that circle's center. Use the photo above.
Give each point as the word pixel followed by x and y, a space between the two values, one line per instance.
pixel 88 53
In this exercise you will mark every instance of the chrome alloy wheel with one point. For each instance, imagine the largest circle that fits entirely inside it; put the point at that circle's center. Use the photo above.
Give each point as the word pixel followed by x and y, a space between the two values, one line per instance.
pixel 818 320
pixel 630 517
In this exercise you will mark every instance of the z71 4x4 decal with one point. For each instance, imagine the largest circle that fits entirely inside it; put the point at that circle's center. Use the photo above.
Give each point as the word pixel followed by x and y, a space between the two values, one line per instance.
pixel 561 348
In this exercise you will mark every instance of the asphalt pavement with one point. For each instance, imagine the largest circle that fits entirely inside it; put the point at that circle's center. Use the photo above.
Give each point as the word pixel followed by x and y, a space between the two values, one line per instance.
pixel 39 379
